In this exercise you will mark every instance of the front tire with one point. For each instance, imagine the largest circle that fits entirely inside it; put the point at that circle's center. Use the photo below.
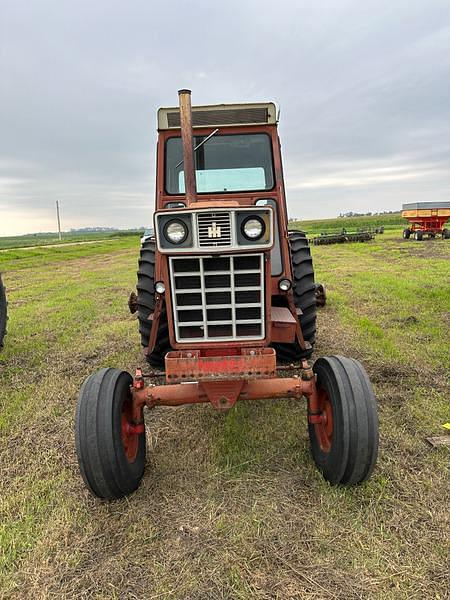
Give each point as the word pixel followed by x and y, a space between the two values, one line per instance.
pixel 111 459
pixel 406 234
pixel 419 235
pixel 446 234
pixel 345 444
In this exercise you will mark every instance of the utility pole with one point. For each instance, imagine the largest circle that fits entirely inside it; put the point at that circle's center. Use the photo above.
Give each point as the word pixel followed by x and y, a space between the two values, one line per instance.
pixel 59 222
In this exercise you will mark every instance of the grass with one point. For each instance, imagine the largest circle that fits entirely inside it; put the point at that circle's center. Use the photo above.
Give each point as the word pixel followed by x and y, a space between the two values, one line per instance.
pixel 389 221
pixel 231 506
pixel 51 239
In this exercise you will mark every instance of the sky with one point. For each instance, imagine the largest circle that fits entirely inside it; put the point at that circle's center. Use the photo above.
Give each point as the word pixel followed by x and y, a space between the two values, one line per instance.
pixel 363 90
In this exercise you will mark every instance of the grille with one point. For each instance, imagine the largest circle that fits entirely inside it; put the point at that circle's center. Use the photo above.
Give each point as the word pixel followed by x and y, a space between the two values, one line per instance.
pixel 218 299
pixel 228 116
pixel 214 229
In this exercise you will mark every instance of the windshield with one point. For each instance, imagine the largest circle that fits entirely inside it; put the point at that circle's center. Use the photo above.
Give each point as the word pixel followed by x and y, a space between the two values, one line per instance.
pixel 225 163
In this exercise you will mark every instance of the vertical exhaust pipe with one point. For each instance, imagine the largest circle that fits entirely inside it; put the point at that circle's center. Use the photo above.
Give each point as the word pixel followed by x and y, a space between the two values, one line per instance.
pixel 188 145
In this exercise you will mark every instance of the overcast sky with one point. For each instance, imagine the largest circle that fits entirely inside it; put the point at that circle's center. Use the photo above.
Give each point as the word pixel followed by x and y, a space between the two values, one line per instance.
pixel 364 91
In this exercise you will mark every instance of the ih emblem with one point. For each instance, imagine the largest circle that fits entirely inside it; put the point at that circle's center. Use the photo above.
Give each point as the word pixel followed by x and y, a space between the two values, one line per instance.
pixel 214 230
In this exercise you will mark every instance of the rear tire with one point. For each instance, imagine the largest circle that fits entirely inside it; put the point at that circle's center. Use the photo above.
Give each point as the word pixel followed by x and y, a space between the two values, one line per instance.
pixel 446 234
pixel 304 290
pixel 419 235
pixel 345 446
pixel 3 312
pixel 406 234
pixel 146 306
pixel 111 460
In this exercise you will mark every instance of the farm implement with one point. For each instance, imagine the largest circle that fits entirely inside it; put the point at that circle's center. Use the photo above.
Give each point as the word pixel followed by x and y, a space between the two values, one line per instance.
pixel 226 304
pixel 426 219
pixel 342 237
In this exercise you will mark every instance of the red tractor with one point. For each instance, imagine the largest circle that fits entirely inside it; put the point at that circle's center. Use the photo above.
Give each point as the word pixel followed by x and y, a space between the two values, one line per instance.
pixel 225 296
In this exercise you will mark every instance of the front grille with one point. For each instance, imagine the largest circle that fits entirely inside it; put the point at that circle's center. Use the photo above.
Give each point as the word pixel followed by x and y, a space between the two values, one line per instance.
pixel 218 299
pixel 214 229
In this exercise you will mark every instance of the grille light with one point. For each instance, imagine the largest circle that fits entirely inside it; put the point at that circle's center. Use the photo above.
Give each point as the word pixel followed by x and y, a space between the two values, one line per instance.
pixel 285 285
pixel 253 228
pixel 175 232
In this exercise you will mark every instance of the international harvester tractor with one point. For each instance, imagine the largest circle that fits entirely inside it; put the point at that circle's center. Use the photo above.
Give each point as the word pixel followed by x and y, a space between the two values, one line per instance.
pixel 224 295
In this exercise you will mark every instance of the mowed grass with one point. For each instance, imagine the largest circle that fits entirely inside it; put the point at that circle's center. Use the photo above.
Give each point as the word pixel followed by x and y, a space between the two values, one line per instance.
pixel 231 506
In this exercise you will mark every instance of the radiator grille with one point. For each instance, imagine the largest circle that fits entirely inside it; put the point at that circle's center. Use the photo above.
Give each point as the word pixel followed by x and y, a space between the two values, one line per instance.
pixel 218 299
pixel 214 229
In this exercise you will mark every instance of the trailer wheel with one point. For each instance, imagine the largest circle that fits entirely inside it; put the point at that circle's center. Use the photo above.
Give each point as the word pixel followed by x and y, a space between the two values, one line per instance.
pixel 419 235
pixel 446 234
pixel 110 457
pixel 3 312
pixel 146 305
pixel 406 234
pixel 304 290
pixel 345 444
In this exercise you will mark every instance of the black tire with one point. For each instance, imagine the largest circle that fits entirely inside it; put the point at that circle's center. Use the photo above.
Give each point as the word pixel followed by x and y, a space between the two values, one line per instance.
pixel 445 234
pixel 3 312
pixel 304 290
pixel 406 234
pixel 346 452
pixel 102 455
pixel 146 305
pixel 419 235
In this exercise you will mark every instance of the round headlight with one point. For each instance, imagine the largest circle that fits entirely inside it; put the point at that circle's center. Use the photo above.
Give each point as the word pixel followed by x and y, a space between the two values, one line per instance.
pixel 253 228
pixel 160 287
pixel 175 232
pixel 284 285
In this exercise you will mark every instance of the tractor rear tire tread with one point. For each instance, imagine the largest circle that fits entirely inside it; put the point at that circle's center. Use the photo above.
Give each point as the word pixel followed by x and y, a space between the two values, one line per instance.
pixel 304 298
pixel 146 305
pixel 3 312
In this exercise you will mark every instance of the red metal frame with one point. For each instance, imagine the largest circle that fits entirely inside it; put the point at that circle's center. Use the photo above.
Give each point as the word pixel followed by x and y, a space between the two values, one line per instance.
pixel 222 381
pixel 434 224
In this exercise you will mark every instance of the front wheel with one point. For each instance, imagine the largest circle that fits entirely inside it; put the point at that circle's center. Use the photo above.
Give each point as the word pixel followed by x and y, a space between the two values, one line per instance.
pixel 344 445
pixel 406 234
pixel 446 234
pixel 111 455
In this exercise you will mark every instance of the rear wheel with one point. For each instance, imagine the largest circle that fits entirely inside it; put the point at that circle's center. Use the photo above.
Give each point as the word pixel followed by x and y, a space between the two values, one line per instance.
pixel 3 312
pixel 446 234
pixel 304 290
pixel 111 456
pixel 406 234
pixel 146 306
pixel 419 235
pixel 344 444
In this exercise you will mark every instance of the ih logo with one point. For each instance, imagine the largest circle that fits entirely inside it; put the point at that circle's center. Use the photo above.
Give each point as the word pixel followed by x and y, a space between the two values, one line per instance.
pixel 214 230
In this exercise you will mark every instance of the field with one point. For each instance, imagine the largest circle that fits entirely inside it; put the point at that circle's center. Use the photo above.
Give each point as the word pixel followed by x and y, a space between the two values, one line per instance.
pixel 51 239
pixel 392 221
pixel 230 506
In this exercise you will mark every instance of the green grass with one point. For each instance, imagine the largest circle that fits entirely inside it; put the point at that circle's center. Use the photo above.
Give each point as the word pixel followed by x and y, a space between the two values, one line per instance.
pixel 231 505
pixel 391 221
pixel 45 239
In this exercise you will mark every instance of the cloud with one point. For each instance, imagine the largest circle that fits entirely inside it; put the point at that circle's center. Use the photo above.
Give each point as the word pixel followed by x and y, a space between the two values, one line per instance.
pixel 363 88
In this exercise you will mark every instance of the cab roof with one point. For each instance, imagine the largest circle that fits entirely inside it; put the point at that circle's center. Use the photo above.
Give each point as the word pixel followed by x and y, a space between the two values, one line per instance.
pixel 223 115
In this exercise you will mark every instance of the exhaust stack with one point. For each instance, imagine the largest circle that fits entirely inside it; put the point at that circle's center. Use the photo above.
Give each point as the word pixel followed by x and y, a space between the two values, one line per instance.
pixel 188 145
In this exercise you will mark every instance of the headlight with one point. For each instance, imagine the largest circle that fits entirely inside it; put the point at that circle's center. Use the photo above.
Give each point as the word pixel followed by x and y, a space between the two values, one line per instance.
pixel 253 228
pixel 175 232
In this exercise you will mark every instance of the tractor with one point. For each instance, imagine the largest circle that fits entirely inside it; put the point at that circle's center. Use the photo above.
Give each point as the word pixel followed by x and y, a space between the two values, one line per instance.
pixel 226 305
